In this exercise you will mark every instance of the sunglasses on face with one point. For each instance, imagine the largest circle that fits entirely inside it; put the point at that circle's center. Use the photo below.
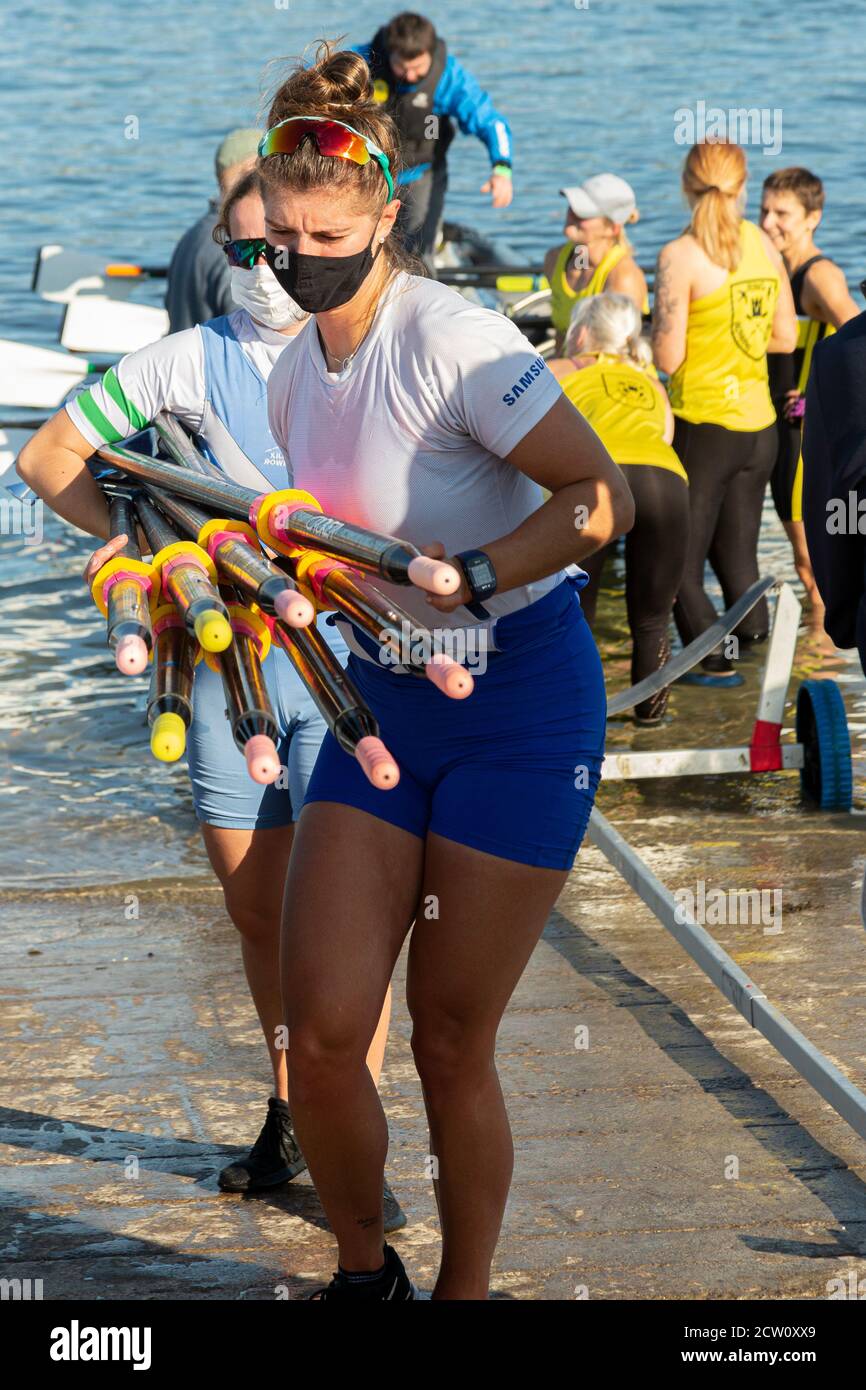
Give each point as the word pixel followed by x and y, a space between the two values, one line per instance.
pixel 245 251
pixel 332 138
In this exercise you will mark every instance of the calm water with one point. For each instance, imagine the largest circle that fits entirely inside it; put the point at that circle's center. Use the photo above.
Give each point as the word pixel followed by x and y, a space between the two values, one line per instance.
pixel 585 90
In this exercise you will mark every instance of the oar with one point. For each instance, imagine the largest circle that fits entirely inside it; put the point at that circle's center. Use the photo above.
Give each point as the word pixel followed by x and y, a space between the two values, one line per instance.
pixel 188 577
pixel 61 273
pixel 248 705
pixel 289 520
pixel 169 704
pixel 125 589
pixel 338 586
pixel 39 378
pixel 234 548
pixel 340 704
pixel 110 326
pixel 507 279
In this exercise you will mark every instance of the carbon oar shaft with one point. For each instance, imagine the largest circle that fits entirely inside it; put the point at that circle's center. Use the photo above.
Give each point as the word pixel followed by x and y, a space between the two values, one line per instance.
pixel 248 705
pixel 223 496
pixel 125 588
pixel 181 447
pixel 169 706
pixel 237 560
pixel 188 577
pixel 408 643
pixel 338 701
pixel 288 519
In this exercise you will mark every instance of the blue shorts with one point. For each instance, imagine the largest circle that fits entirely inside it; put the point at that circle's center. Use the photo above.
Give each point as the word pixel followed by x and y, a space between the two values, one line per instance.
pixel 512 770
pixel 223 792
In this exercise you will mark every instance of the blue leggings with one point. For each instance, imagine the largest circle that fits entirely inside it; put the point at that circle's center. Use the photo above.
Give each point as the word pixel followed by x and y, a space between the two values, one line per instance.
pixel 512 770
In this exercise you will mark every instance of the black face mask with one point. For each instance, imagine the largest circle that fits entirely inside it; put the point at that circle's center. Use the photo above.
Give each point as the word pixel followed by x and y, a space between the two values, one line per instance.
pixel 319 283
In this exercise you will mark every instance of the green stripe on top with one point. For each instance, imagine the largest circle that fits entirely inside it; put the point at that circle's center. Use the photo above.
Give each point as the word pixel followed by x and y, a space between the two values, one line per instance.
pixel 121 400
pixel 94 417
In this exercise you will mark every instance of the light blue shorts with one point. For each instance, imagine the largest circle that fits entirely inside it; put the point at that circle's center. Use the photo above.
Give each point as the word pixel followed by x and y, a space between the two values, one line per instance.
pixel 223 792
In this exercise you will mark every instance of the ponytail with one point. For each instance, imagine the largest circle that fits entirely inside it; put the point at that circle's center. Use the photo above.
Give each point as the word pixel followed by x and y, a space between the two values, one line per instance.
pixel 714 176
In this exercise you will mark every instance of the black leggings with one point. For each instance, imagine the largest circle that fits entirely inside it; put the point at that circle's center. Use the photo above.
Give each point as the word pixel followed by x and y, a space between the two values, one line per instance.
pixel 728 475
pixel 655 553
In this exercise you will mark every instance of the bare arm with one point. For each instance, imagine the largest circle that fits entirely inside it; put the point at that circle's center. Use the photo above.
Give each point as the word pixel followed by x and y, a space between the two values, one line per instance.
pixel 670 309
pixel 783 337
pixel 628 278
pixel 826 296
pixel 53 463
pixel 590 503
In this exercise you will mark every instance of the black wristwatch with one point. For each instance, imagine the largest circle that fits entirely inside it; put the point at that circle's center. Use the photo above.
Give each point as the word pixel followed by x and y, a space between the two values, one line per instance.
pixel 481 578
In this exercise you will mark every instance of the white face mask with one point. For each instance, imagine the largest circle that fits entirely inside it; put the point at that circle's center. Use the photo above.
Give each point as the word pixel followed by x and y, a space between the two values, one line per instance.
pixel 266 301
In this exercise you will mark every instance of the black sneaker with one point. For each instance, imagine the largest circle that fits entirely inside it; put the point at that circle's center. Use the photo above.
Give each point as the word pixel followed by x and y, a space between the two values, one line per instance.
pixel 274 1158
pixel 395 1216
pixel 392 1284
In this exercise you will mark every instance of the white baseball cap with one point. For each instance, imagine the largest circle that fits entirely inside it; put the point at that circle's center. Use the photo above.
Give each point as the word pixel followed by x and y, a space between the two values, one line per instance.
pixel 604 195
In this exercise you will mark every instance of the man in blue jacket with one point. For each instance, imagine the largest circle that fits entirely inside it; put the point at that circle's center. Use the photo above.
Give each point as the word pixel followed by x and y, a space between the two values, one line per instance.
pixel 425 91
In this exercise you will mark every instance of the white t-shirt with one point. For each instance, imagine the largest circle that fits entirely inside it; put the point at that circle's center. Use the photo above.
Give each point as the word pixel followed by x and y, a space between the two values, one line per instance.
pixel 410 439
pixel 166 375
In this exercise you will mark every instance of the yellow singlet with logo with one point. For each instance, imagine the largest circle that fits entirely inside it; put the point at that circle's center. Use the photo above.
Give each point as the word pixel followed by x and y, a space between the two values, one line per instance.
pixel 563 298
pixel 723 379
pixel 626 411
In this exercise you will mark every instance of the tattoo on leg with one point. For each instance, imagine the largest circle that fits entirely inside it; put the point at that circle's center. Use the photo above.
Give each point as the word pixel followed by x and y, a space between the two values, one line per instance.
pixel 365 1222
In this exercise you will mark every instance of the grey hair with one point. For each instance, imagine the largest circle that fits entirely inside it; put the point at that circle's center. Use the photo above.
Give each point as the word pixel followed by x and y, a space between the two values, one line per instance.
pixel 613 325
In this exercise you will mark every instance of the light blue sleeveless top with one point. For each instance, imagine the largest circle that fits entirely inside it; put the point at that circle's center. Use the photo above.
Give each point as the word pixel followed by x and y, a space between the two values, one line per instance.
pixel 237 394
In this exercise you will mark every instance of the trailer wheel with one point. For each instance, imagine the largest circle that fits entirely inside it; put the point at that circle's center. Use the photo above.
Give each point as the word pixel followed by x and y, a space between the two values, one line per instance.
pixel 822 729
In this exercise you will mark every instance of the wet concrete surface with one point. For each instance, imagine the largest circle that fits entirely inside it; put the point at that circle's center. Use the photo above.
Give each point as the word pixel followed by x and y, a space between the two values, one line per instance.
pixel 663 1149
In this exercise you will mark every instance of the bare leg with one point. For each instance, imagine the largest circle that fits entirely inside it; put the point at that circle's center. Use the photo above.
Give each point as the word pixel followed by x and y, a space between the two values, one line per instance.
pixel 252 865
pixel 463 968
pixel 353 884
pixel 796 532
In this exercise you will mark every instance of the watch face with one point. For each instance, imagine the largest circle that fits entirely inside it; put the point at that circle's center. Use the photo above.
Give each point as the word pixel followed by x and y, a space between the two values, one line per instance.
pixel 482 572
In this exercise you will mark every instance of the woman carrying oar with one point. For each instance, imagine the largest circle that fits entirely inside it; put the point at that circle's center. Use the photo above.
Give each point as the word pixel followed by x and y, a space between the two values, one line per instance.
pixel 214 379
pixel 405 408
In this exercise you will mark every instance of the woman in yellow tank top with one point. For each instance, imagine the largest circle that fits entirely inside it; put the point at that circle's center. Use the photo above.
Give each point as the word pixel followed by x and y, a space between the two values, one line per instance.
pixel 608 376
pixel 597 254
pixel 722 302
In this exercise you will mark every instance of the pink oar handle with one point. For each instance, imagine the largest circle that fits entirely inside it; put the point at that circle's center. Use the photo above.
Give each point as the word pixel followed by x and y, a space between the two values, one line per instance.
pixel 436 576
pixel 263 762
pixel 449 676
pixel 378 765
pixel 130 655
pixel 294 609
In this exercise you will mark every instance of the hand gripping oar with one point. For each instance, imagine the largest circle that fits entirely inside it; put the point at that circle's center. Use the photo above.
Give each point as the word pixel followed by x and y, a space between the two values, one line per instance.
pixel 125 589
pixel 169 705
pixel 188 577
pixel 289 519
pixel 248 706
pixel 234 548
pixel 336 585
pixel 339 703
